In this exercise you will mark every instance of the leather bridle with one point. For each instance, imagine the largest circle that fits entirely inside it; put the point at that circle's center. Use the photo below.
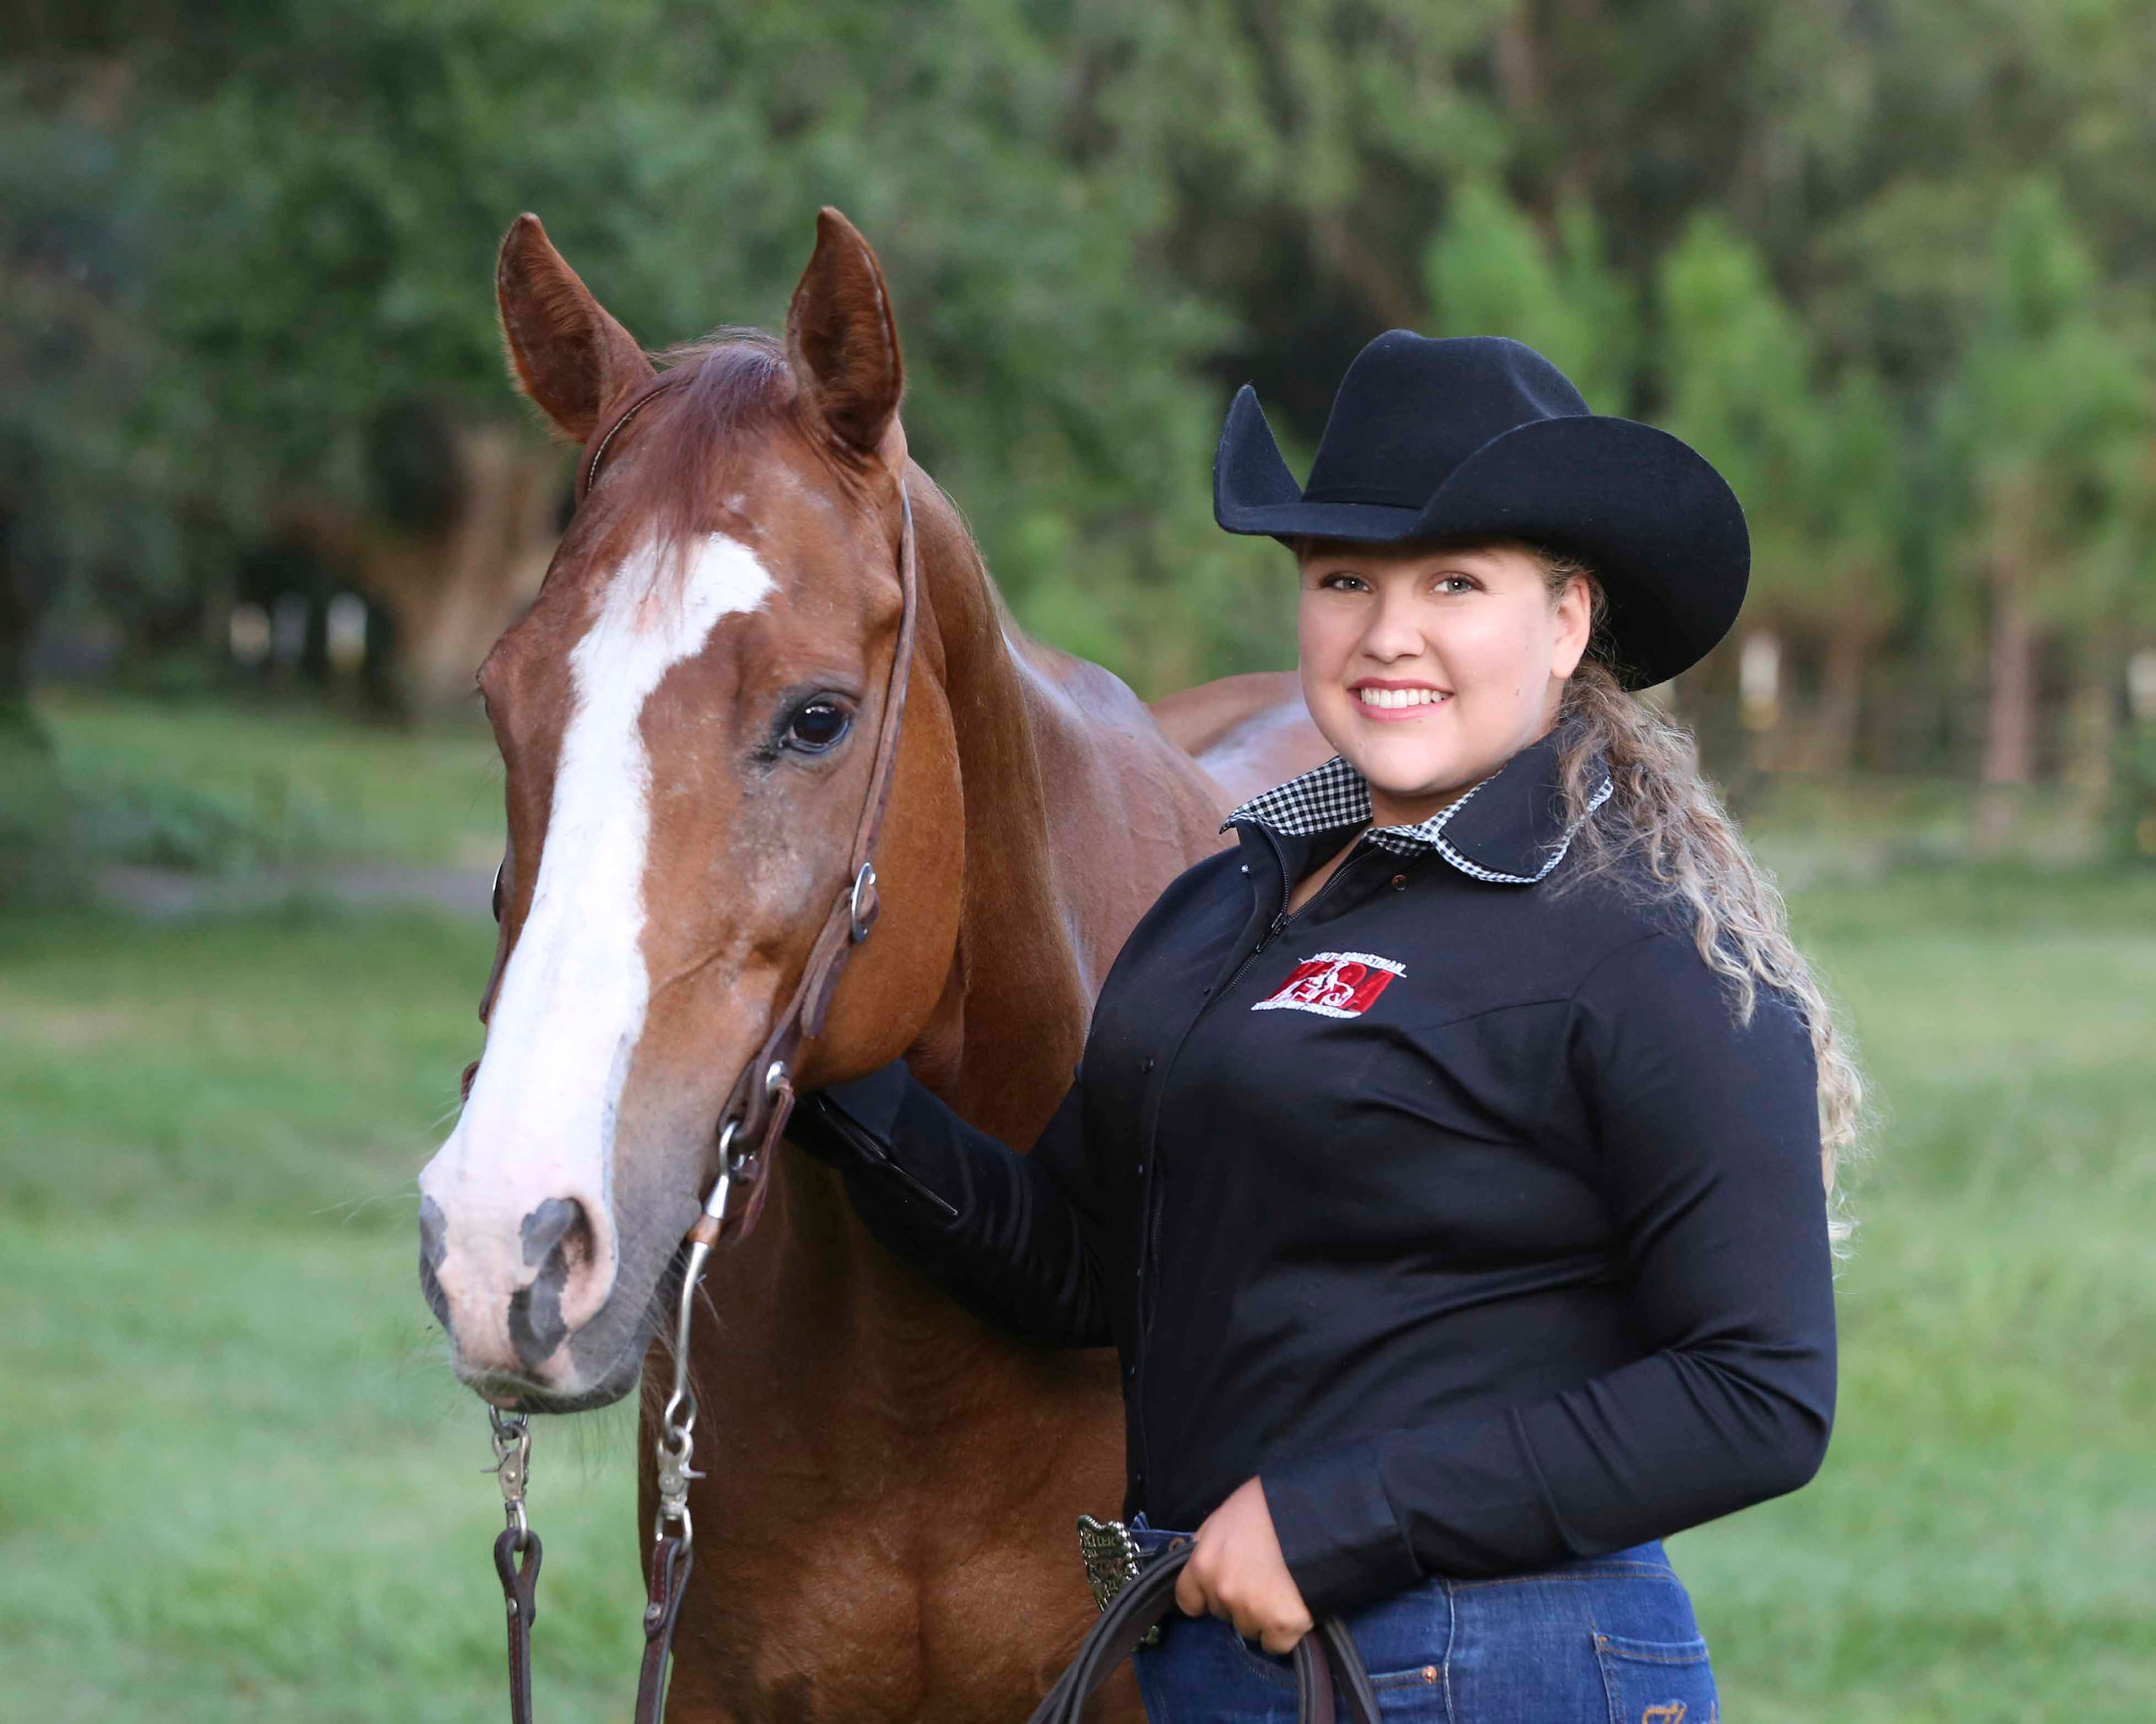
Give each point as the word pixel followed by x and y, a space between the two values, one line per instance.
pixel 751 1123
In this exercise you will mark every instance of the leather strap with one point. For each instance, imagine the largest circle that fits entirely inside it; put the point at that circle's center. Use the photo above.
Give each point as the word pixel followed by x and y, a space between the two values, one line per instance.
pixel 761 1099
pixel 1320 1656
pixel 757 1107
pixel 520 1592
pixel 671 1560
pixel 587 469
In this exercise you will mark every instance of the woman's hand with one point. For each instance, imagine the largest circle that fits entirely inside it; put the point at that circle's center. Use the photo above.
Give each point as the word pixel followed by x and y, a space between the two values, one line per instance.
pixel 1238 1573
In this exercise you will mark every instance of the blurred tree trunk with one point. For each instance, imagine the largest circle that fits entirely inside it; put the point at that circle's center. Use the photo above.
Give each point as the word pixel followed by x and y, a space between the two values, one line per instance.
pixel 2010 723
pixel 21 599
pixel 452 589
pixel 2010 716
pixel 2093 726
pixel 1849 648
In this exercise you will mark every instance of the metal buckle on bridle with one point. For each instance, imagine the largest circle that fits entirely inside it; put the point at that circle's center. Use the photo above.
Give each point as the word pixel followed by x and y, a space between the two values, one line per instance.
pixel 512 1466
pixel 677 1422
pixel 862 904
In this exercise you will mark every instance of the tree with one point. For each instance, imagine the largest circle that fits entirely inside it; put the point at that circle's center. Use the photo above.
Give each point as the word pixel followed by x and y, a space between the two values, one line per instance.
pixel 2044 429
pixel 1812 459
pixel 1491 271
pixel 83 502
pixel 333 194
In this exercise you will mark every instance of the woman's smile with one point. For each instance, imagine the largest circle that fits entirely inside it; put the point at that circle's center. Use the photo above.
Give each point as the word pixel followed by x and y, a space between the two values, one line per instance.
pixel 1392 703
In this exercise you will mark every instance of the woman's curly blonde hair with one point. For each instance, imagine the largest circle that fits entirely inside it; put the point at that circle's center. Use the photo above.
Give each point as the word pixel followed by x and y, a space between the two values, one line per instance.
pixel 1663 823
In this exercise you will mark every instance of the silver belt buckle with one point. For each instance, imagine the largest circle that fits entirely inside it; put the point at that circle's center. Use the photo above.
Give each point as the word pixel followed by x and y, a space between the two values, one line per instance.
pixel 1111 1563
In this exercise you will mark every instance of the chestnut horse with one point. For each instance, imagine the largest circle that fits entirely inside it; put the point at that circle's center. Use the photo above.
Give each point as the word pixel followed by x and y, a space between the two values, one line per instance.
pixel 687 717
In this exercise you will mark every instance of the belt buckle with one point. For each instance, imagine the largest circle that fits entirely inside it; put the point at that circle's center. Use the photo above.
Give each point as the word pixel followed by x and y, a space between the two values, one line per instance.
pixel 1111 1564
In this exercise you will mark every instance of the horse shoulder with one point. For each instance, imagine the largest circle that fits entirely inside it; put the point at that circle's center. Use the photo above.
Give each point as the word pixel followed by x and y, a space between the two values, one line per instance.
pixel 1248 731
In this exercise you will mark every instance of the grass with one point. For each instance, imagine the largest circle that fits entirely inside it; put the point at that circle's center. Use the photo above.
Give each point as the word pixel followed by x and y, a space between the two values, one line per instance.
pixel 223 788
pixel 239 1486
pixel 1982 1542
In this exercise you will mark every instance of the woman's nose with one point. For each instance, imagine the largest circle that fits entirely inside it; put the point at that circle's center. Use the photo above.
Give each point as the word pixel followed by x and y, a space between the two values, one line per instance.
pixel 1394 632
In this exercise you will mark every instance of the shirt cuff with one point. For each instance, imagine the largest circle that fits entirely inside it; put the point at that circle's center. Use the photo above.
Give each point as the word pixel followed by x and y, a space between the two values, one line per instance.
pixel 869 1105
pixel 1337 1530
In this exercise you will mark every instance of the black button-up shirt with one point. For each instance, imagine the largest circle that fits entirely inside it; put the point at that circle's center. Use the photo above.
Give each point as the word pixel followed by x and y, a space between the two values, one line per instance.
pixel 1457 1206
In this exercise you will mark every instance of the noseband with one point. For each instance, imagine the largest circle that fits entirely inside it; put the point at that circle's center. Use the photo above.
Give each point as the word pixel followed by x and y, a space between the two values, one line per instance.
pixel 755 1115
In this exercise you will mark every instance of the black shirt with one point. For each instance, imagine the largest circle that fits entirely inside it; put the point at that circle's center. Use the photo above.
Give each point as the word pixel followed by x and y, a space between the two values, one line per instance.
pixel 1459 1206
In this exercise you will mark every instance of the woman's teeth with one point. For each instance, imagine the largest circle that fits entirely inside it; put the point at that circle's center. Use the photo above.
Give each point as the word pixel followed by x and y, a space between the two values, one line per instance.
pixel 1400 697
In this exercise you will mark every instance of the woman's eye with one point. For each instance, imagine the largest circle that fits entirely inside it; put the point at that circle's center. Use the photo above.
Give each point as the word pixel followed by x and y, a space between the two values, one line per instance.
pixel 1455 583
pixel 818 726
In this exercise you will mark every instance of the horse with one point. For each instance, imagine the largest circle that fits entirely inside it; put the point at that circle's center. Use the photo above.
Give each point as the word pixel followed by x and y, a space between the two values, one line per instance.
pixel 685 717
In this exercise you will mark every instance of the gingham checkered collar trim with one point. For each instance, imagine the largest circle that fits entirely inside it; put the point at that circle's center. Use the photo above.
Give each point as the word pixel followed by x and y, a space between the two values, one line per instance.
pixel 1512 836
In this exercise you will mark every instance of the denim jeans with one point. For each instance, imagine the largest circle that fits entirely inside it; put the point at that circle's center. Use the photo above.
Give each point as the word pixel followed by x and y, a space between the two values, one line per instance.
pixel 1603 1641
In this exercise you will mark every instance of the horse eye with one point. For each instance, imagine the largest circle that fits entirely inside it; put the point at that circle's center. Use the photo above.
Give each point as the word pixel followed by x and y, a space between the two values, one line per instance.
pixel 498 888
pixel 817 727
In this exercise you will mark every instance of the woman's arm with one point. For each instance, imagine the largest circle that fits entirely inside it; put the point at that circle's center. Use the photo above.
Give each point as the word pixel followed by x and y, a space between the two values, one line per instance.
pixel 1004 1233
pixel 1708 1138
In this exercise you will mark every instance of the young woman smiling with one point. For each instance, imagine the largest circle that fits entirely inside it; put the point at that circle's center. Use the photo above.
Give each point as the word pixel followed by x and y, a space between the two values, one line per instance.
pixel 1449 1161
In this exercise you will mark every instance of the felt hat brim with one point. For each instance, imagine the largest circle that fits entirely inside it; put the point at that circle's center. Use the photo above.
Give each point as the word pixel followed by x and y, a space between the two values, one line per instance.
pixel 1660 528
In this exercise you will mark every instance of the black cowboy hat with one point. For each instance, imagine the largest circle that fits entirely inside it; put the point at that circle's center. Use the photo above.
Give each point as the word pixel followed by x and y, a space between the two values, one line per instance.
pixel 1481 437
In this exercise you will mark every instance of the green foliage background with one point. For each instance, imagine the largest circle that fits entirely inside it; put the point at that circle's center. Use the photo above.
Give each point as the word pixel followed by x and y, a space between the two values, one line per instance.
pixel 1870 256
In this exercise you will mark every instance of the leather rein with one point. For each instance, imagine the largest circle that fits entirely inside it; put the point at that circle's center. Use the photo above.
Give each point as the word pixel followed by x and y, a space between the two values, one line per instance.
pixel 754 1117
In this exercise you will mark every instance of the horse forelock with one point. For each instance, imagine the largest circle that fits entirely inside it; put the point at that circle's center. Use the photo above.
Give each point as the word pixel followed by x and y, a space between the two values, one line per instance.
pixel 736 387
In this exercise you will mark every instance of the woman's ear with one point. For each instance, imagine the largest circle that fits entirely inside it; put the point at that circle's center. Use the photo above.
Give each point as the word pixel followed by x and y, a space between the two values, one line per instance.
pixel 1575 615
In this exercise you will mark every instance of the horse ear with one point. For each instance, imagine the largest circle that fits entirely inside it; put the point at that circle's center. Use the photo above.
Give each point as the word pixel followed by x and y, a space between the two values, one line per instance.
pixel 566 353
pixel 842 340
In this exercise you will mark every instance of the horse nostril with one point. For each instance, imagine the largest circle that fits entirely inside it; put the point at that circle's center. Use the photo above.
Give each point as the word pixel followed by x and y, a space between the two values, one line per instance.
pixel 548 1226
pixel 432 1231
pixel 559 1236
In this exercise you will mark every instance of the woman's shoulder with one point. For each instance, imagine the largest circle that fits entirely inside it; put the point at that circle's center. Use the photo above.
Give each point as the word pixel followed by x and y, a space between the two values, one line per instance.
pixel 1597 909
pixel 1212 890
pixel 1657 1001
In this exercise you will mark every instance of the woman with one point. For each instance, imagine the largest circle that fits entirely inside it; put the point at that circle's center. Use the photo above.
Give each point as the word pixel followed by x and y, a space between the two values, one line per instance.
pixel 1448 1161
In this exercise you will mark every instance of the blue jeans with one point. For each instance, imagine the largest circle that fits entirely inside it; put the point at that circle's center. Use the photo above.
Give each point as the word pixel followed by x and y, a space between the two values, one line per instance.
pixel 1603 1640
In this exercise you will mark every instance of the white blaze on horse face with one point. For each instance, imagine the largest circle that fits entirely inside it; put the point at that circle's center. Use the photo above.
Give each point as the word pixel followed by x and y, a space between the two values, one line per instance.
pixel 540 1124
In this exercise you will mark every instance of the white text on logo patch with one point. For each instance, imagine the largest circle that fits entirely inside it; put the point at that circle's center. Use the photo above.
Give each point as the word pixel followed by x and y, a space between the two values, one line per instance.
pixel 1334 985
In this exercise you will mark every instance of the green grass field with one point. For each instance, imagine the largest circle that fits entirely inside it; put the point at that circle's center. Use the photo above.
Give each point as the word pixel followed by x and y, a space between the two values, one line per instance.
pixel 228 788
pixel 237 1484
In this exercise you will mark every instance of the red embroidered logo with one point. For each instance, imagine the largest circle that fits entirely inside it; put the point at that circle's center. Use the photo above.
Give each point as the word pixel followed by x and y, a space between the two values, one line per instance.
pixel 1334 985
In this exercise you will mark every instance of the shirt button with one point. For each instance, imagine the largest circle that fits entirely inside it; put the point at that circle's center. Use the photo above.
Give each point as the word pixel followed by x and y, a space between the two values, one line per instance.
pixel 1246 867
pixel 1148 1063
pixel 1399 880
pixel 1141 1166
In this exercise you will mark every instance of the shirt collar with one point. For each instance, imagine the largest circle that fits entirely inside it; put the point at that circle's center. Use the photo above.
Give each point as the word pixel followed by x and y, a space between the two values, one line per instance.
pixel 1509 829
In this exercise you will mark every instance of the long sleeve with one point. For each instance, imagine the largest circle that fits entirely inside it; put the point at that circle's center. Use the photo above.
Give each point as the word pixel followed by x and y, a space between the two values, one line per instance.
pixel 1706 1139
pixel 1006 1234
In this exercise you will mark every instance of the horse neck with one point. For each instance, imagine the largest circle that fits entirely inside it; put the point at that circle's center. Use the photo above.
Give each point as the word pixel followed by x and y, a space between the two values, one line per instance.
pixel 1007 1026
pixel 1016 1003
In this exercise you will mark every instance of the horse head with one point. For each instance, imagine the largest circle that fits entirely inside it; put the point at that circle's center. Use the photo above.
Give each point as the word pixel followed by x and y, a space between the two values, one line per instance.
pixel 688 716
